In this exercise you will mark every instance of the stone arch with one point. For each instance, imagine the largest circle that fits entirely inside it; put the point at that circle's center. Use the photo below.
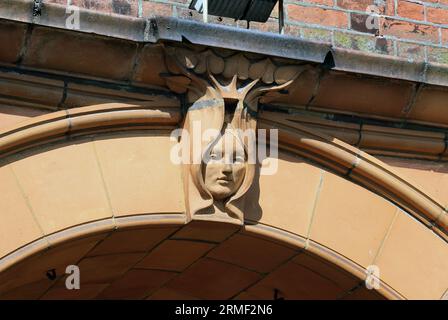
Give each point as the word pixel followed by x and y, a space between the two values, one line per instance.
pixel 136 249
pixel 85 138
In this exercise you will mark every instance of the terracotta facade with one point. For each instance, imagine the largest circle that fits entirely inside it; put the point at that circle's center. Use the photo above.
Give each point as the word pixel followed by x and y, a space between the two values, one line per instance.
pixel 87 176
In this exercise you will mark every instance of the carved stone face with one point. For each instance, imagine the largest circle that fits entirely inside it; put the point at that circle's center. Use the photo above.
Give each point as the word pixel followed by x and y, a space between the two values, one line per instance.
pixel 225 169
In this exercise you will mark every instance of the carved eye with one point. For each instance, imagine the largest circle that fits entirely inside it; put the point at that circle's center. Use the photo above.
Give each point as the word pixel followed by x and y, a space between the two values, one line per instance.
pixel 214 156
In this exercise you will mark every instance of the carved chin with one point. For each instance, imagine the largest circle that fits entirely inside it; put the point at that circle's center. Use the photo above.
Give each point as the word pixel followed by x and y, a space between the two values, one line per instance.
pixel 221 192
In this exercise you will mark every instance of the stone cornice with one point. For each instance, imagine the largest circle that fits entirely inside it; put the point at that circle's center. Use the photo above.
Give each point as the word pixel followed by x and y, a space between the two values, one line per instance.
pixel 122 50
pixel 53 92
pixel 158 29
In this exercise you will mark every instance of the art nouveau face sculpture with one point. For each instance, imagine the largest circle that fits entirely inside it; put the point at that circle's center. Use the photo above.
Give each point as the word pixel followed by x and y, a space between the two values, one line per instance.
pixel 222 90
pixel 225 166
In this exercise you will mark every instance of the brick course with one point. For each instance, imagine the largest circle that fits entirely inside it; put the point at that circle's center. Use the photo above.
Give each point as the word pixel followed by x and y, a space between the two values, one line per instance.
pixel 417 30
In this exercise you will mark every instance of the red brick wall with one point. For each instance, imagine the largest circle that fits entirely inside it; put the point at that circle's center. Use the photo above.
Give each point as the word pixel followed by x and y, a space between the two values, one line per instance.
pixel 416 30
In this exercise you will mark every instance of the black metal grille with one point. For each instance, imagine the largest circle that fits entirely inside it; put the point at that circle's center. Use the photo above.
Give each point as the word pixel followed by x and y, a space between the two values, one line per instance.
pixel 250 10
pixel 259 10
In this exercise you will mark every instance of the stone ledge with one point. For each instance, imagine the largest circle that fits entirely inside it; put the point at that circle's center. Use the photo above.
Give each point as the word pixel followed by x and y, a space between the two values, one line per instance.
pixel 181 30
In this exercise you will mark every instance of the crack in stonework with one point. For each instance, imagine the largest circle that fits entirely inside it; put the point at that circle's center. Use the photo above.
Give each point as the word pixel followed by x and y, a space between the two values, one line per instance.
pixel 313 210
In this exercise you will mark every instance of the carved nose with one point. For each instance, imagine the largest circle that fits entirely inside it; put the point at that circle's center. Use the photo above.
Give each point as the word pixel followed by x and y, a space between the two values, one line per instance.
pixel 227 168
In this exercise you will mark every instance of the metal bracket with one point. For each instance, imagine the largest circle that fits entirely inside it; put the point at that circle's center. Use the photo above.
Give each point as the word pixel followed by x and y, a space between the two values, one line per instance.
pixel 281 17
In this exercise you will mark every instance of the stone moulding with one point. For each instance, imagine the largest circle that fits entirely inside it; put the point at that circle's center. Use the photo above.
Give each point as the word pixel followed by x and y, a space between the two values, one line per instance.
pixel 331 153
pixel 373 139
pixel 88 229
pixel 109 226
pixel 53 92
pixel 85 120
pixel 363 169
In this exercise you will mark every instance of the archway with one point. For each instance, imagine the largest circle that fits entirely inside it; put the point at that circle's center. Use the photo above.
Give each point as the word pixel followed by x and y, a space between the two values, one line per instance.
pixel 80 179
